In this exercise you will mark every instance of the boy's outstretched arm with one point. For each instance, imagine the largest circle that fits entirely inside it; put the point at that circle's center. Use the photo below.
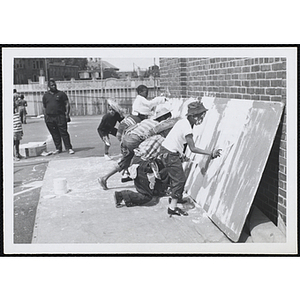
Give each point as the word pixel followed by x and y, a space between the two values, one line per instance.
pixel 190 141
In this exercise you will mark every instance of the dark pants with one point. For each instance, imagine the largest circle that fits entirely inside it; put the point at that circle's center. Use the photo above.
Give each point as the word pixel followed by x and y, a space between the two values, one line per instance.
pixel 58 128
pixel 175 171
pixel 128 144
pixel 144 185
pixel 133 198
pixel 23 115
pixel 104 133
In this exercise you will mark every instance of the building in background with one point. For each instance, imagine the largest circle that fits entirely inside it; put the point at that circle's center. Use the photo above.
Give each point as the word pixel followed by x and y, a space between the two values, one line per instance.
pixel 88 82
pixel 60 71
pixel 28 70
pixel 137 72
pixel 98 69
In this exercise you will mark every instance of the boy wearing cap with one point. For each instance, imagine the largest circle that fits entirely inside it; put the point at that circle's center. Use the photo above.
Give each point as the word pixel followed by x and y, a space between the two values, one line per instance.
pixel 107 126
pixel 142 105
pixel 173 147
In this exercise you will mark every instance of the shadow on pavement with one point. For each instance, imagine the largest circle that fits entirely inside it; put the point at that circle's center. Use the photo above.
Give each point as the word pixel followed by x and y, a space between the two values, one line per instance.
pixel 83 149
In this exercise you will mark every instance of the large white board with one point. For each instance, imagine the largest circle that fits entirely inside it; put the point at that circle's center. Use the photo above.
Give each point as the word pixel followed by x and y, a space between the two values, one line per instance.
pixel 225 187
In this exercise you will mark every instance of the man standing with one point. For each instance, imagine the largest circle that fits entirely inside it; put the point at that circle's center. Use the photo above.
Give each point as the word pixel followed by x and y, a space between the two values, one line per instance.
pixel 57 114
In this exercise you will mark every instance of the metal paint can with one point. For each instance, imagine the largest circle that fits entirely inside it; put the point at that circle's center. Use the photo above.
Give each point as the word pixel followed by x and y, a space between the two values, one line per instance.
pixel 60 186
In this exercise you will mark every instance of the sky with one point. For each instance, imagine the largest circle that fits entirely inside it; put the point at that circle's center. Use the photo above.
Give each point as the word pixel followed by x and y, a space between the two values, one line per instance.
pixel 127 64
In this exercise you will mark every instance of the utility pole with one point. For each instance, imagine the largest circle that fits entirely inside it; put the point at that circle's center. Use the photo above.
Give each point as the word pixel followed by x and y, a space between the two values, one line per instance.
pixel 155 91
pixel 46 70
pixel 101 74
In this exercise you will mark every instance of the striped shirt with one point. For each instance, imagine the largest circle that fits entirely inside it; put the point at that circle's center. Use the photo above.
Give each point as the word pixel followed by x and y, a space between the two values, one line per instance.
pixel 143 129
pixel 150 148
pixel 126 123
pixel 17 125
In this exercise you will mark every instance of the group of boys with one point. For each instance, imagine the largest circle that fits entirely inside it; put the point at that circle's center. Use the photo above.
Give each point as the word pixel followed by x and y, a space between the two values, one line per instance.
pixel 152 149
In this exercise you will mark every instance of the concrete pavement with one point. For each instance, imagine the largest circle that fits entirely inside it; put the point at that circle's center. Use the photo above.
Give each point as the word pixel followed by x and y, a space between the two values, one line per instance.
pixel 87 213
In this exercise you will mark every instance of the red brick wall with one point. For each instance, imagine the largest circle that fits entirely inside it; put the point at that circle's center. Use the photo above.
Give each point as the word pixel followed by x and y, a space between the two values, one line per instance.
pixel 261 79
pixel 173 73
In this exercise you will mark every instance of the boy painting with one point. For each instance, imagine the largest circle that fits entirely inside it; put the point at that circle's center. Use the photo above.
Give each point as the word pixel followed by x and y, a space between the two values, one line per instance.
pixel 173 147
pixel 142 105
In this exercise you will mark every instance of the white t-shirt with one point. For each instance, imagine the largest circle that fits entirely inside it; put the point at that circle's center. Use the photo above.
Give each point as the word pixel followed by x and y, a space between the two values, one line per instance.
pixel 175 140
pixel 143 106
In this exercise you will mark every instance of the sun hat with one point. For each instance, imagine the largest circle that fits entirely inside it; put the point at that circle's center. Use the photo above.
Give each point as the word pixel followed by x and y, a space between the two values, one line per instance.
pixel 196 108
pixel 163 111
pixel 115 106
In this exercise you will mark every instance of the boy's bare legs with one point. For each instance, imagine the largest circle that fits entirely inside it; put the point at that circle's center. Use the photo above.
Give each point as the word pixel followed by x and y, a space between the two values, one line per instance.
pixel 103 180
pixel 106 152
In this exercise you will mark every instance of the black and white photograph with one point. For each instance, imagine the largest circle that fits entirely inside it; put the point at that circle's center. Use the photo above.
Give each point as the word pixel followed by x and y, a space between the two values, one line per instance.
pixel 150 150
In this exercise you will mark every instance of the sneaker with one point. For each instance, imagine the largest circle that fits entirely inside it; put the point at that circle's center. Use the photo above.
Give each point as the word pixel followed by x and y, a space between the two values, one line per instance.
pixel 56 152
pixel 177 212
pixel 71 151
pixel 107 157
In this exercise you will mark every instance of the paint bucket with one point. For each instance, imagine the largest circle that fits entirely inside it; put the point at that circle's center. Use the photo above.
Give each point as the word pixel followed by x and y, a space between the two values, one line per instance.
pixel 60 186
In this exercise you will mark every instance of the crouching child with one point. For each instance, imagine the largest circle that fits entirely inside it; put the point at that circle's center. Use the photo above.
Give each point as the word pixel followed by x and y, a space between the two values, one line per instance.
pixel 150 180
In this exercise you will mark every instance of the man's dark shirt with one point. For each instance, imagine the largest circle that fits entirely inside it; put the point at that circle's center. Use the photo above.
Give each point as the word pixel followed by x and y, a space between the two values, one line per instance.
pixel 55 104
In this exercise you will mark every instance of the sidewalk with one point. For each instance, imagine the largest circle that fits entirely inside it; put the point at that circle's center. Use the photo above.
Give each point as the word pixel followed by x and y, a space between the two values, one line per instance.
pixel 87 213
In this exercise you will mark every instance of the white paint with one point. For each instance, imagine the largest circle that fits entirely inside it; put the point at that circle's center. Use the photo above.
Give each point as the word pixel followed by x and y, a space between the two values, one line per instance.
pixel 49 196
pixel 35 184
pixel 32 185
pixel 230 126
